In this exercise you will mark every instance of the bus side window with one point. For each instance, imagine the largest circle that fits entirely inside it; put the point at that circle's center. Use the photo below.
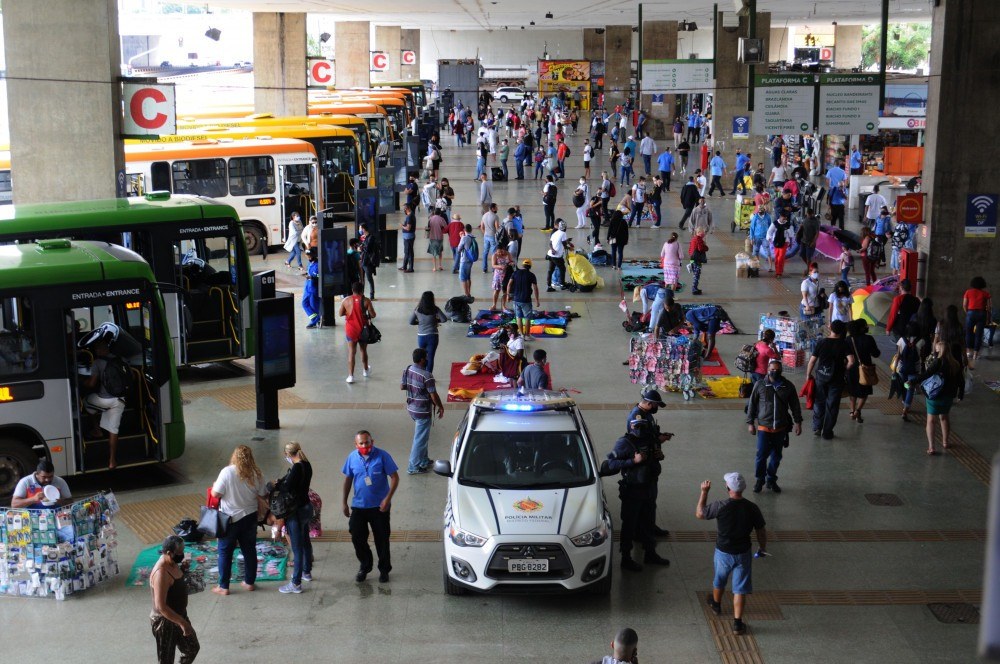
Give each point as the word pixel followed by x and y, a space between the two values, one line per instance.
pixel 18 348
pixel 250 176
pixel 160 176
pixel 203 177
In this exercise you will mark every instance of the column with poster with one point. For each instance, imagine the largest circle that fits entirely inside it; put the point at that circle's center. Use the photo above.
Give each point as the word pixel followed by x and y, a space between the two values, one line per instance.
pixel 571 77
pixel 783 103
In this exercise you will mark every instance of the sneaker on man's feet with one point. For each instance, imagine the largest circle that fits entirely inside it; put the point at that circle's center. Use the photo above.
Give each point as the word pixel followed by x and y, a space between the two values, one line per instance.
pixel 773 486
pixel 550 289
pixel 307 577
pixel 361 575
pixel 739 627
pixel 655 559
pixel 290 588
pixel 367 372
pixel 758 486
pixel 715 606
pixel 383 577
pixel 350 379
pixel 695 291
pixel 630 565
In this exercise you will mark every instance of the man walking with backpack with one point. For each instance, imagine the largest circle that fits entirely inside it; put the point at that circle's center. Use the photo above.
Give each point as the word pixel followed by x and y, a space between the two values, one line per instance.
pixel 828 368
pixel 468 254
pixel 110 378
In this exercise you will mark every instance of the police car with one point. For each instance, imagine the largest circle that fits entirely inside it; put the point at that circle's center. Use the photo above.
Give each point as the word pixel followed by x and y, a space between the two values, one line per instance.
pixel 526 510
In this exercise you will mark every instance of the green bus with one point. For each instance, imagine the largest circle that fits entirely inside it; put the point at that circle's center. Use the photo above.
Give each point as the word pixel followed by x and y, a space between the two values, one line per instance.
pixel 52 295
pixel 194 244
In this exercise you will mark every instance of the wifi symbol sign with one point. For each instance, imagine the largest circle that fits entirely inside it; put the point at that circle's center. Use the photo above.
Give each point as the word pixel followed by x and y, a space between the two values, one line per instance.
pixel 981 215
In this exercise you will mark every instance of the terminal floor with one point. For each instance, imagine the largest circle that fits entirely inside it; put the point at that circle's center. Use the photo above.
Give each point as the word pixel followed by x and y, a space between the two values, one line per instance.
pixel 848 580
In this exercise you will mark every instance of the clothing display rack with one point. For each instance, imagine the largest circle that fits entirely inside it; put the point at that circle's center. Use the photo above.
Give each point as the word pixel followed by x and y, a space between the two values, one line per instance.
pixel 672 363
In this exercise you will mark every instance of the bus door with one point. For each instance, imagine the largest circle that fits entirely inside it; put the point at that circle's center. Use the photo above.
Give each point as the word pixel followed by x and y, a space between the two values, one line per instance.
pixel 297 182
pixel 338 164
pixel 212 306
pixel 128 325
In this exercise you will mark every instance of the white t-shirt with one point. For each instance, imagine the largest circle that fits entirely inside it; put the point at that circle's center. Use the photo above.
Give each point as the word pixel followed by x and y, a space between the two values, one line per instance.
pixel 556 248
pixel 810 289
pixel 588 152
pixel 875 203
pixel 638 193
pixel 238 498
pixel 841 307
pixel 702 183
pixel 778 174
pixel 514 345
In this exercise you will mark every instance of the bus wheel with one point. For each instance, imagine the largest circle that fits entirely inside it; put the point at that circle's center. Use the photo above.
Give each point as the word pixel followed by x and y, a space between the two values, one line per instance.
pixel 253 236
pixel 16 461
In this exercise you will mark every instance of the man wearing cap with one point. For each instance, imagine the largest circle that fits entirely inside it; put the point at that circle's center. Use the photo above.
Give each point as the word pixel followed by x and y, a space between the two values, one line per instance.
pixel 559 242
pixel 736 517
pixel 639 463
pixel 624 648
pixel 519 289
pixel 773 408
pixel 648 405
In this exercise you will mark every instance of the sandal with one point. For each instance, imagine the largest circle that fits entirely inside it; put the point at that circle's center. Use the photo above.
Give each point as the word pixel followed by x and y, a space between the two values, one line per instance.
pixel 853 415
pixel 858 417
pixel 932 453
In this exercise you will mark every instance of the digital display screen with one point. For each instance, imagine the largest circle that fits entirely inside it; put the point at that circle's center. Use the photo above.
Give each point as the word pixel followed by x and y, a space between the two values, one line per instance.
pixel 399 164
pixel 261 202
pixel 385 180
pixel 332 257
pixel 132 306
pixel 21 392
pixel 276 348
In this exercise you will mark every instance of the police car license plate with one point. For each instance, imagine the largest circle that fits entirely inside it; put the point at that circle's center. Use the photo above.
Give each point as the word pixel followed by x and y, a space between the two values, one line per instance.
pixel 527 565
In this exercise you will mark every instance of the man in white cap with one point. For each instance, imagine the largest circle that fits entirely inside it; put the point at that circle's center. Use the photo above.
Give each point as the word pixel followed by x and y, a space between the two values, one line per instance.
pixel 736 517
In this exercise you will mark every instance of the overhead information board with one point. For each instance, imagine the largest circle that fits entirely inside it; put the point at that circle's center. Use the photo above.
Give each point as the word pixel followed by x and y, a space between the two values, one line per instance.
pixel 677 76
pixel 783 103
pixel 848 104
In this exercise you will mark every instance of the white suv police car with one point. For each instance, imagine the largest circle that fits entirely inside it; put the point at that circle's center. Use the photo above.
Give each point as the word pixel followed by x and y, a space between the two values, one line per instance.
pixel 526 510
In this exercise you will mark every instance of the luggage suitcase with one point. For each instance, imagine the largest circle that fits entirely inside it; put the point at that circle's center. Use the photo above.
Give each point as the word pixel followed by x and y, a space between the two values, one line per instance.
pixel 498 175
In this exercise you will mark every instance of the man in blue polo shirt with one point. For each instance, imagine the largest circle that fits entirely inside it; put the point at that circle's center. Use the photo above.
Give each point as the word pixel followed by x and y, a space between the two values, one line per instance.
pixel 835 175
pixel 374 476
pixel 742 161
pixel 717 167
pixel 856 167
pixel 665 163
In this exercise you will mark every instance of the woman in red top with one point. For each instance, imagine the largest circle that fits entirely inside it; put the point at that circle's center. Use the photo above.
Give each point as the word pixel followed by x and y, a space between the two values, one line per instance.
pixel 698 252
pixel 356 309
pixel 766 351
pixel 978 310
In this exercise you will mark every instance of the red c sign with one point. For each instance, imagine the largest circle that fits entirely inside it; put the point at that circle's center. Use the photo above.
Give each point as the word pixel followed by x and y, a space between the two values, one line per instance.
pixel 321 72
pixel 409 57
pixel 380 61
pixel 138 113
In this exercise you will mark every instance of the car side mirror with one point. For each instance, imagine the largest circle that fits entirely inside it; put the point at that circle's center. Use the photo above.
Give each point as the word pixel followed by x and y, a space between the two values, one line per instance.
pixel 606 471
pixel 442 467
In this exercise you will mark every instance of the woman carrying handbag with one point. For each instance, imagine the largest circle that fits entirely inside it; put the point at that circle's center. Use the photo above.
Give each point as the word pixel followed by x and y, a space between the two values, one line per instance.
pixel 359 312
pixel 861 376
pixel 241 490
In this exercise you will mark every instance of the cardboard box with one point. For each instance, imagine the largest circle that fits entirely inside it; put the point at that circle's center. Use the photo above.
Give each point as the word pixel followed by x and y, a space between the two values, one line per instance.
pixel 793 358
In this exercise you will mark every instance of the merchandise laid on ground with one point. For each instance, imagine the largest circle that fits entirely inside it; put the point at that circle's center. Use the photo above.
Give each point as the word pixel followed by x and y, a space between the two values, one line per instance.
pixel 203 571
pixel 543 323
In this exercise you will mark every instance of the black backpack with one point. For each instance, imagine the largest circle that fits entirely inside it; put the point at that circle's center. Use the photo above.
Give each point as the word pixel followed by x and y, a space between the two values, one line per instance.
pixel 373 252
pixel 116 379
pixel 279 500
pixel 459 310
pixel 502 236
pixel 578 198
pixel 499 338
pixel 746 361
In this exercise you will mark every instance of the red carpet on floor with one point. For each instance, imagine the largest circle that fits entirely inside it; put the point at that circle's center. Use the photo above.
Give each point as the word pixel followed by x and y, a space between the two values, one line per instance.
pixel 721 370
pixel 479 381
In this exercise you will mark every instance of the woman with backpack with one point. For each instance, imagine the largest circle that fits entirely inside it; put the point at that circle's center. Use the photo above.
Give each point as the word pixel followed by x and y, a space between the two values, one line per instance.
pixel 779 236
pixel 862 345
pixel 767 352
pixel 581 196
pixel 871 253
pixel 613 156
pixel 939 399
pixel 296 484
pixel 908 366
pixel 617 238
pixel 698 252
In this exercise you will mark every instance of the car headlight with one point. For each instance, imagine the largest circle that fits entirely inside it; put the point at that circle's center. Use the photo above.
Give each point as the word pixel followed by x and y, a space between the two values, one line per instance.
pixel 593 537
pixel 461 537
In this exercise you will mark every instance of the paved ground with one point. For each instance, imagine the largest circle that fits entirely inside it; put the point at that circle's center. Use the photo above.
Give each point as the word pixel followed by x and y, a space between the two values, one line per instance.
pixel 848 581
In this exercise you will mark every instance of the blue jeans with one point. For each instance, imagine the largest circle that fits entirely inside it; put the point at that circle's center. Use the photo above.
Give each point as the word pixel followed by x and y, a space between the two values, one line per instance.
pixel 911 380
pixel 636 215
pixel 656 210
pixel 646 162
pixel 769 448
pixel 826 407
pixel 480 165
pixel 626 175
pixel 617 254
pixel 503 165
pixel 428 342
pixel 520 168
pixel 297 526
pixel 464 271
pixel 418 451
pixel 456 258
pixel 243 532
pixel 539 168
pixel 843 275
pixel 807 254
pixel 295 254
pixel 489 246
pixel 657 309
pixel 975 323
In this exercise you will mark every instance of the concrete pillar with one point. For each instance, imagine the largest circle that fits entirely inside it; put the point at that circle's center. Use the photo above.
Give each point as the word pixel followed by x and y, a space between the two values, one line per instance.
pixel 593 44
pixel 847 46
pixel 279 63
pixel 659 42
pixel 731 89
pixel 409 40
pixel 388 39
pixel 65 112
pixel 352 44
pixel 778 44
pixel 965 34
pixel 617 64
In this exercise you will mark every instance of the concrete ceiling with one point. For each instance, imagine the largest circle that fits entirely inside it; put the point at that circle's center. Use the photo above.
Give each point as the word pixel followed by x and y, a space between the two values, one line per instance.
pixel 496 14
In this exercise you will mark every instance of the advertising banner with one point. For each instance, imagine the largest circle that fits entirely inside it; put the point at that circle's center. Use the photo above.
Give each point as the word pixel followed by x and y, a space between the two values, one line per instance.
pixel 567 76
pixel 677 76
pixel 848 103
pixel 783 103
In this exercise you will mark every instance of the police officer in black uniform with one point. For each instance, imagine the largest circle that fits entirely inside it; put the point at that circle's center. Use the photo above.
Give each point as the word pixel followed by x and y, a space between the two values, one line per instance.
pixel 649 403
pixel 637 461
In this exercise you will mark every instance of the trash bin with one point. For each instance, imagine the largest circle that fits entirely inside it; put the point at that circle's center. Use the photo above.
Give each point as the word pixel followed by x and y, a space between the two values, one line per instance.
pixel 389 239
pixel 862 198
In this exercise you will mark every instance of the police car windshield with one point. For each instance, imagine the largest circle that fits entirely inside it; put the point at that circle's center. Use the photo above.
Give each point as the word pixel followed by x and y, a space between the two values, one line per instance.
pixel 516 460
